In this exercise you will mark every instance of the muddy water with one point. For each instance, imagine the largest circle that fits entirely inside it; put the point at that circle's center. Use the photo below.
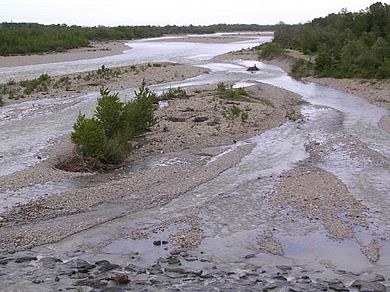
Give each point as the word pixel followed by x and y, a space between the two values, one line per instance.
pixel 234 209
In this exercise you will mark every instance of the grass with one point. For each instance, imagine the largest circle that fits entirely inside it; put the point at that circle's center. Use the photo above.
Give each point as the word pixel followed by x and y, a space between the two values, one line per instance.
pixel 236 113
pixel 172 93
pixel 228 92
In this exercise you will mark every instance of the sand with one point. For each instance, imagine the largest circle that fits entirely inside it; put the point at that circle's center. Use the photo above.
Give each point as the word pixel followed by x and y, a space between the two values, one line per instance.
pixel 95 50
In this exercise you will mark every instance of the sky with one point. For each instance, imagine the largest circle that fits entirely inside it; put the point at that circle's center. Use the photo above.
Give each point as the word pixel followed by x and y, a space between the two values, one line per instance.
pixel 180 12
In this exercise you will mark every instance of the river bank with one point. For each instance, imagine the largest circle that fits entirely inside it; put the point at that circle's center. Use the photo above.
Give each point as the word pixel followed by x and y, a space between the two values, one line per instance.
pixel 79 84
pixel 95 50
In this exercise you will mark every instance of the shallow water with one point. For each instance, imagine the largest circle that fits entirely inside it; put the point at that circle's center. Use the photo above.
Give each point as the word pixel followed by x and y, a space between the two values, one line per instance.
pixel 233 207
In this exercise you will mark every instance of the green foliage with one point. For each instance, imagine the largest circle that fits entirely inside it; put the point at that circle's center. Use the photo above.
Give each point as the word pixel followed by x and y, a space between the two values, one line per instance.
pixel 24 38
pixel 39 84
pixel 270 50
pixel 346 44
pixel 301 68
pixel 107 135
pixel 173 93
pixel 228 92
pixel 235 112
pixel 103 73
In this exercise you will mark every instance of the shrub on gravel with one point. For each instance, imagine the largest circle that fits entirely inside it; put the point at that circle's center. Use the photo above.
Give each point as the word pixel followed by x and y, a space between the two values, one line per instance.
pixel 172 93
pixel 107 135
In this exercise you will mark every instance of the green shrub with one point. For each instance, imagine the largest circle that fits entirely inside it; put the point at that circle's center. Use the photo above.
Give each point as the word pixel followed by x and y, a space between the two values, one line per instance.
pixel 107 135
pixel 271 50
pixel 235 112
pixel 172 93
pixel 302 68
pixel 228 92
pixel 39 84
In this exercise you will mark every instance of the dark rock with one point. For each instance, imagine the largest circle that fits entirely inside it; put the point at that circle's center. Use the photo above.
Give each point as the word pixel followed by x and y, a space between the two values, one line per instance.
pixel 157 242
pixel 25 259
pixel 164 242
pixel 284 268
pixel 37 281
pixel 279 277
pixel 79 264
pixel 337 285
pixel 175 119
pixel 4 262
pixel 377 278
pixel 57 279
pixel 200 119
pixel 367 286
pixel 253 69
pixel 249 256
pixel 105 266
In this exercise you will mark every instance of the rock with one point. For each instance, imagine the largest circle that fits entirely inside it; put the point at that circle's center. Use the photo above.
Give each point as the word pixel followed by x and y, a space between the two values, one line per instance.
pixel 200 119
pixel 337 286
pixel 377 278
pixel 25 259
pixel 94 283
pixel 112 289
pixel 252 69
pixel 49 262
pixel 120 279
pixel 157 242
pixel 135 269
pixel 284 268
pixel 105 266
pixel 79 264
pixel 366 286
pixel 175 119
pixel 249 256
pixel 4 262
pixel 172 260
pixel 37 281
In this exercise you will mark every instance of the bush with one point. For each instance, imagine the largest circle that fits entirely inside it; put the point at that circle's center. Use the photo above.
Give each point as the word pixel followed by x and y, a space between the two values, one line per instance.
pixel 228 92
pixel 38 84
pixel 107 135
pixel 235 112
pixel 271 50
pixel 302 68
pixel 172 93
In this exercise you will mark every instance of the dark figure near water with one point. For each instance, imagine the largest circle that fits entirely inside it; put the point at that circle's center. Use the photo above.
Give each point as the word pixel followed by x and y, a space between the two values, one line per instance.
pixel 253 69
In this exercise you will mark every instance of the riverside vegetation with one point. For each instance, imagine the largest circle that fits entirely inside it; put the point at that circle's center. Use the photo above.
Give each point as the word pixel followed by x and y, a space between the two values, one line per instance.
pixel 24 38
pixel 106 137
pixel 345 45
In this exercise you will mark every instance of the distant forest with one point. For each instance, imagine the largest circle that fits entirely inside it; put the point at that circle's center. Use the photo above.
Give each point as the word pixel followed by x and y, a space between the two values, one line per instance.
pixel 25 38
pixel 345 44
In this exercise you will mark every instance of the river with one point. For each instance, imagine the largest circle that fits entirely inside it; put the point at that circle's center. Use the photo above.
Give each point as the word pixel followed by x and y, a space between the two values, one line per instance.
pixel 329 114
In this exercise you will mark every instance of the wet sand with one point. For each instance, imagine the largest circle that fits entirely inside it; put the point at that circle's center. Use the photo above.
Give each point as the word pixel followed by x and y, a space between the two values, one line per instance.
pixel 95 50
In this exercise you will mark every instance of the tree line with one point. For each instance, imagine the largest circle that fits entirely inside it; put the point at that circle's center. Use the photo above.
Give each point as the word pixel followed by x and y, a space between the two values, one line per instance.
pixel 24 38
pixel 346 44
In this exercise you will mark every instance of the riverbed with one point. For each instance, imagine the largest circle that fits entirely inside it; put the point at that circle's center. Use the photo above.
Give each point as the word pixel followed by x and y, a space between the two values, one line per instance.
pixel 239 219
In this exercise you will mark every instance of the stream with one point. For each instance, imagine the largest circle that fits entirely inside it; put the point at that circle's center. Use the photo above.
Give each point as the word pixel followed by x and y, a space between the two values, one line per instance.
pixel 230 206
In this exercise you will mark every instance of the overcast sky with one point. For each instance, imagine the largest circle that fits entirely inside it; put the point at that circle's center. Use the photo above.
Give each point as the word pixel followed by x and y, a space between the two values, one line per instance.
pixel 161 12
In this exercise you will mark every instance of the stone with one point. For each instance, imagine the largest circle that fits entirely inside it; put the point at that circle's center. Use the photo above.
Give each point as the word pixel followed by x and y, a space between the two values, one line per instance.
pixel 105 266
pixel 200 119
pixel 25 259
pixel 284 268
pixel 337 286
pixel 366 286
pixel 79 264
pixel 49 262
